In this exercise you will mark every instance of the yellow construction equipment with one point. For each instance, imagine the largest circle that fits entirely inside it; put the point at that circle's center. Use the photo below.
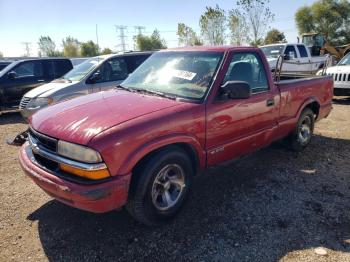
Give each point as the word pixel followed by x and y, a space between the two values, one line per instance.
pixel 319 46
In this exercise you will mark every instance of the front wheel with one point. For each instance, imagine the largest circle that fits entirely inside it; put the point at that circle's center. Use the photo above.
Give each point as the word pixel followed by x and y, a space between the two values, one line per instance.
pixel 301 136
pixel 160 186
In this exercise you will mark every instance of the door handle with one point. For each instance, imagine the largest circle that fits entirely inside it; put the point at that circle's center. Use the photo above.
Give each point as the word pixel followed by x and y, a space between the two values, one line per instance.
pixel 41 80
pixel 270 102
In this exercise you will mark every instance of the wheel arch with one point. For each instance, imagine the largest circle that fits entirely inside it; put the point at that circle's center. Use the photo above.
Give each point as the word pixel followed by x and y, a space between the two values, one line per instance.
pixel 188 144
pixel 311 103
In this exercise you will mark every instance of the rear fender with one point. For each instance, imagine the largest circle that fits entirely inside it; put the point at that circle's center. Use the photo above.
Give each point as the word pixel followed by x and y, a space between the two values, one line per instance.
pixel 135 156
pixel 307 102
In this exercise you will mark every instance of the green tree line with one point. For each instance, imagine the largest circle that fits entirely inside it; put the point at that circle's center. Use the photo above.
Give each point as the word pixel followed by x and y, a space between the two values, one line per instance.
pixel 71 48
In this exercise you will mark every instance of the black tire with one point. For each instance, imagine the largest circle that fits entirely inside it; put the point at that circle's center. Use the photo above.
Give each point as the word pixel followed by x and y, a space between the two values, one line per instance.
pixel 145 208
pixel 301 136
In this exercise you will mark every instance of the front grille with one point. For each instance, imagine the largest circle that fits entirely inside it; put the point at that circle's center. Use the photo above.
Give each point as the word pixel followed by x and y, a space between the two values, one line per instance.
pixel 47 163
pixel 24 102
pixel 43 141
pixel 340 77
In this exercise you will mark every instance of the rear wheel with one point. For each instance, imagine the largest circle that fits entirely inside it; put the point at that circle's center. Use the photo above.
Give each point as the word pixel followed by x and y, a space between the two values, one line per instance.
pixel 160 187
pixel 301 136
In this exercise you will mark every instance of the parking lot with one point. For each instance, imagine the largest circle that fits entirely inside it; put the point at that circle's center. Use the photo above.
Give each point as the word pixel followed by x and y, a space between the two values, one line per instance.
pixel 272 205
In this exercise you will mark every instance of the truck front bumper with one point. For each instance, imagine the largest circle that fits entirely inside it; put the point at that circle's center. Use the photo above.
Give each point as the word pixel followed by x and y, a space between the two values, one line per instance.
pixel 342 88
pixel 97 198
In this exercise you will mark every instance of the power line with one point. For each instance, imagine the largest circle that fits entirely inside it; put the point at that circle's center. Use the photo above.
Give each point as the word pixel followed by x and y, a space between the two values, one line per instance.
pixel 122 36
pixel 138 31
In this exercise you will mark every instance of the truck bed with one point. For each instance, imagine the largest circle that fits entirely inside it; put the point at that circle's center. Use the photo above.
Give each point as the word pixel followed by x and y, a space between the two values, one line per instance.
pixel 294 87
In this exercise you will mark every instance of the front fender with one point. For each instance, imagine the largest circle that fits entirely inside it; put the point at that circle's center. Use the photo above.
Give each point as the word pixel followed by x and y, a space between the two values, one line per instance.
pixel 136 155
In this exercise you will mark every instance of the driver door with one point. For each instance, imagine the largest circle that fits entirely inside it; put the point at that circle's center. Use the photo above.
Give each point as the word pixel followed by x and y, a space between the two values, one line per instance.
pixel 291 64
pixel 238 126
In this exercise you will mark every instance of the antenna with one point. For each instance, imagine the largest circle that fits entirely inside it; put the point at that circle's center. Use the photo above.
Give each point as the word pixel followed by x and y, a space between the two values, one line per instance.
pixel 122 35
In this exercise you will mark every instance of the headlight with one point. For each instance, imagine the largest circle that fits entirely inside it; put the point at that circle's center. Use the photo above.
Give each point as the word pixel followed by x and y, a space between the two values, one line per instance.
pixel 79 153
pixel 319 72
pixel 39 102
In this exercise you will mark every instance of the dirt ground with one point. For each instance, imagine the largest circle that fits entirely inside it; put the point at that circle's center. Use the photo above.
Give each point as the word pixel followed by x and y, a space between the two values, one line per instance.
pixel 273 205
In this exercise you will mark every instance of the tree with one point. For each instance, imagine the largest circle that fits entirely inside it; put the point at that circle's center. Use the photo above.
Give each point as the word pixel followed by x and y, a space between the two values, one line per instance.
pixel 275 36
pixel 331 18
pixel 70 47
pixel 47 46
pixel 106 51
pixel 89 49
pixel 212 24
pixel 238 27
pixel 153 42
pixel 259 17
pixel 187 36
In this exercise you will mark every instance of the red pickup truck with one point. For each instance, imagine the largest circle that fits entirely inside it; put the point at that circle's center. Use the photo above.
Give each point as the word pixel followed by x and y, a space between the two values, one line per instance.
pixel 181 111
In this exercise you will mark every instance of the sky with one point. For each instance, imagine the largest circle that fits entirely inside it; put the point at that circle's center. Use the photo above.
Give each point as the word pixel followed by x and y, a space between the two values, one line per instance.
pixel 26 20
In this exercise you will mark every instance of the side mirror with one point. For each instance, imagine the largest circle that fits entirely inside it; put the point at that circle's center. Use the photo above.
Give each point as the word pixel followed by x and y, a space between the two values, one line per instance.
pixel 12 75
pixel 95 77
pixel 237 89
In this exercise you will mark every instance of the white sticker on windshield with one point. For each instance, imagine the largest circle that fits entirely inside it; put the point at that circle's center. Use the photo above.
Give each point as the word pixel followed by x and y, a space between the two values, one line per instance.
pixel 187 75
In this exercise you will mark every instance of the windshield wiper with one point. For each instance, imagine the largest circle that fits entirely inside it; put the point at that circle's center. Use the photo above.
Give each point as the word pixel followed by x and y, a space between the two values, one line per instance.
pixel 147 91
pixel 123 88
pixel 157 93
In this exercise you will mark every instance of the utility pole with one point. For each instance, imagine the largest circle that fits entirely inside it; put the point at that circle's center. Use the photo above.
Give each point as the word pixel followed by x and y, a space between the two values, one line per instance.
pixel 97 36
pixel 26 48
pixel 138 30
pixel 122 35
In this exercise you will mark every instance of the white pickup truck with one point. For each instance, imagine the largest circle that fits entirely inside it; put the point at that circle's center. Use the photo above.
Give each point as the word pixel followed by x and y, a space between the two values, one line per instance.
pixel 297 58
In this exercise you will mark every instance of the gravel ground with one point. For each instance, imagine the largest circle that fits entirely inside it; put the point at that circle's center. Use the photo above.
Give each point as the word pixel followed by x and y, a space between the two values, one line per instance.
pixel 274 205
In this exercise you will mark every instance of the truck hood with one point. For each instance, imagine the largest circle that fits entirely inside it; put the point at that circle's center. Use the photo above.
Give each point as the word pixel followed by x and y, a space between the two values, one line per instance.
pixel 79 120
pixel 48 89
pixel 339 69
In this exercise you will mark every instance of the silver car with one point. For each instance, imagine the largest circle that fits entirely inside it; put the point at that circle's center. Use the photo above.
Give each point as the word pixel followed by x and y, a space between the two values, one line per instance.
pixel 93 75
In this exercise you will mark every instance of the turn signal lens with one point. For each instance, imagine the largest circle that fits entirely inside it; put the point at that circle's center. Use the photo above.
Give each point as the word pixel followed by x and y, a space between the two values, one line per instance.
pixel 94 175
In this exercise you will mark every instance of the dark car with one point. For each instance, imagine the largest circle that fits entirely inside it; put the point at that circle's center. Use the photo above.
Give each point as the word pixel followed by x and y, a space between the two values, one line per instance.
pixel 21 76
pixel 3 64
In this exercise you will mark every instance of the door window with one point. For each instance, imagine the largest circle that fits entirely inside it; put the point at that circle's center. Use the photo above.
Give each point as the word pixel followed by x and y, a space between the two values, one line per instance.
pixel 29 69
pixel 134 61
pixel 113 70
pixel 302 51
pixel 290 50
pixel 249 68
pixel 61 67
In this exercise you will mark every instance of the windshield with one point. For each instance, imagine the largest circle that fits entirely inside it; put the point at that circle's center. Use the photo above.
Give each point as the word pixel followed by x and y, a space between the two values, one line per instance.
pixel 81 70
pixel 308 40
pixel 273 51
pixel 179 74
pixel 345 60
